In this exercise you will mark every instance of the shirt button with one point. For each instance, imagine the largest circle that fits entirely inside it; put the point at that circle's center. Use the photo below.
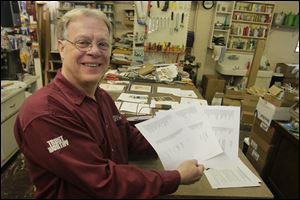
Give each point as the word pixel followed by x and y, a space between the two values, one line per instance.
pixel 106 125
pixel 112 150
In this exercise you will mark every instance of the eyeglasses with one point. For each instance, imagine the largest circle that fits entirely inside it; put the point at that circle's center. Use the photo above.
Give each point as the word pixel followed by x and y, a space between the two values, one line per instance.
pixel 85 45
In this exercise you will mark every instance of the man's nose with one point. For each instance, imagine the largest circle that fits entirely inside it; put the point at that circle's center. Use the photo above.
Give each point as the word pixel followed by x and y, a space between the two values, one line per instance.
pixel 94 50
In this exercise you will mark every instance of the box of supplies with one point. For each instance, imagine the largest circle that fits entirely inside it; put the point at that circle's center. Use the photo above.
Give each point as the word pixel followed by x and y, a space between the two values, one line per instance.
pixel 267 133
pixel 259 153
pixel 267 112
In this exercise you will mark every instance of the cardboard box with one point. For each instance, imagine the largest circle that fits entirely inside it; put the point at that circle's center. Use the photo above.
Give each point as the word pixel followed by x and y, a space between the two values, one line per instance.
pixel 259 153
pixel 217 100
pixel 287 69
pixel 268 134
pixel 251 98
pixel 247 117
pixel 293 81
pixel 212 84
pixel 278 102
pixel 232 94
pixel 268 112
pixel 231 102
pixel 248 106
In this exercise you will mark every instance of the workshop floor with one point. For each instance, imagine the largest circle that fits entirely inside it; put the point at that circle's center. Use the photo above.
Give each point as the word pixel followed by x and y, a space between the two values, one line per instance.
pixel 16 184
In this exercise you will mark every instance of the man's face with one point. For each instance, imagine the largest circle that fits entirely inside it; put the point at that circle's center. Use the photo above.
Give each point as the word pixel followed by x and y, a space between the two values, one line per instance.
pixel 85 68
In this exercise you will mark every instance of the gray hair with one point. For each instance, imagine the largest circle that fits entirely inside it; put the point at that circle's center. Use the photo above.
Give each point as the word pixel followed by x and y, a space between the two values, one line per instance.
pixel 70 15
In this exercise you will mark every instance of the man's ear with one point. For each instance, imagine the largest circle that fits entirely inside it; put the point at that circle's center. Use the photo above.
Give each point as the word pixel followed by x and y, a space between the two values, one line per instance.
pixel 60 47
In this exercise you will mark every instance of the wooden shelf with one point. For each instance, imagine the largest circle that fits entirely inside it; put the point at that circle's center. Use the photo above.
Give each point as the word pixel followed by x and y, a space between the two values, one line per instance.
pixel 250 22
pixel 223 13
pixel 221 30
pixel 257 2
pixel 248 37
pixel 252 12
pixel 241 50
pixel 285 27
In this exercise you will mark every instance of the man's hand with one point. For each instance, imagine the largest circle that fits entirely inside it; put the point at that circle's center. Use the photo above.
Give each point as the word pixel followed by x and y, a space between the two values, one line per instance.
pixel 190 172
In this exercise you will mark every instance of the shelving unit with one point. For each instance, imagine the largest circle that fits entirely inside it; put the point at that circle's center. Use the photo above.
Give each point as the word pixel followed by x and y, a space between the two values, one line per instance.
pixel 106 7
pixel 250 21
pixel 129 17
pixel 65 6
pixel 221 23
pixel 55 64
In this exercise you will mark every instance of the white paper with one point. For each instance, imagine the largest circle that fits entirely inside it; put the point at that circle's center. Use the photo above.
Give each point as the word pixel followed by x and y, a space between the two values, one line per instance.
pixel 177 92
pixel 136 108
pixel 140 88
pixel 168 90
pixel 187 123
pixel 209 134
pixel 137 98
pixel 185 100
pixel 167 73
pixel 168 137
pixel 238 176
pixel 225 124
pixel 188 93
pixel 112 87
pixel 192 117
pixel 118 104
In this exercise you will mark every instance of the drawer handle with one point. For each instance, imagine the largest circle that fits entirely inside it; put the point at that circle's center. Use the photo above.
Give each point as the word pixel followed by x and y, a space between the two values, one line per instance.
pixel 12 106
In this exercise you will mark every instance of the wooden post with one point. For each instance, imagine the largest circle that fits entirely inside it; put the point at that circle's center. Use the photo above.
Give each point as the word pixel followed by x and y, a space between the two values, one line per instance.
pixel 260 47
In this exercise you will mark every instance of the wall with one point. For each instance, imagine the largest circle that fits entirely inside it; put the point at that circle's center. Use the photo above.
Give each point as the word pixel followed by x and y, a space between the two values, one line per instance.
pixel 201 26
pixel 280 45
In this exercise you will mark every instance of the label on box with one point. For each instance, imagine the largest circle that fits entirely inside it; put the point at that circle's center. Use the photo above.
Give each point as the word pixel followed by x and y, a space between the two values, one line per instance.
pixel 255 155
pixel 264 119
pixel 253 144
pixel 264 126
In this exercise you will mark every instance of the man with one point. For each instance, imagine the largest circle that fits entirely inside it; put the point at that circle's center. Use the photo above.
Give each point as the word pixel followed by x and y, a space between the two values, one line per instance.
pixel 73 137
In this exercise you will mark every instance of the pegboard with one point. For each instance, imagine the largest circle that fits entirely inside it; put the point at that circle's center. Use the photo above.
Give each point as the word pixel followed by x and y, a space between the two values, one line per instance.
pixel 165 25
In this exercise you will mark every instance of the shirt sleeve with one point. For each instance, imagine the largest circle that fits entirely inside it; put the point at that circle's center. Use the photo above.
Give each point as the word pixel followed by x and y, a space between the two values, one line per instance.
pixel 61 146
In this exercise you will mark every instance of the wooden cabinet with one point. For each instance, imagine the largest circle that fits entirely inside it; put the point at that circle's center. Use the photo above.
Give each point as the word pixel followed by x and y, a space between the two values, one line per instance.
pixel 54 64
pixel 129 17
pixel 282 175
pixel 11 102
pixel 250 21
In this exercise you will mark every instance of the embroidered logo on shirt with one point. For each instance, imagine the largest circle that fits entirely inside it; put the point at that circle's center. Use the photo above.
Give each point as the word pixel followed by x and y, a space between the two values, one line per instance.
pixel 116 118
pixel 57 143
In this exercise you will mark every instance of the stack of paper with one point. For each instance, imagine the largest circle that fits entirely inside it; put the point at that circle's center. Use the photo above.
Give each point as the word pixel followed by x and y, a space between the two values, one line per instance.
pixel 209 134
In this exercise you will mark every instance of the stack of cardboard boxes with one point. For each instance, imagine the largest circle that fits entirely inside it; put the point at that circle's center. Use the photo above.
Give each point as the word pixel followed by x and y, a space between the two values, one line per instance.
pixel 247 102
pixel 263 136
pixel 211 84
pixel 248 107
pixel 261 144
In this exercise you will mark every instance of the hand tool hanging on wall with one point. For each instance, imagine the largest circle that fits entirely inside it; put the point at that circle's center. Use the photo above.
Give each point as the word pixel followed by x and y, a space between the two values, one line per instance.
pixel 176 22
pixel 182 20
pixel 140 12
pixel 148 25
pixel 166 6
pixel 172 23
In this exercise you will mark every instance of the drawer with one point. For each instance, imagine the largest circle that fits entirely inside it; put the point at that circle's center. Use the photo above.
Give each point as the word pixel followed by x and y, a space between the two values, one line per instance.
pixel 12 105
pixel 8 142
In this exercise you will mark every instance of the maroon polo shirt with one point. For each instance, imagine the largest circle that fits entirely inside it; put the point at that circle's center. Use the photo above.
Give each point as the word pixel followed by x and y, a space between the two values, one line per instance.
pixel 77 147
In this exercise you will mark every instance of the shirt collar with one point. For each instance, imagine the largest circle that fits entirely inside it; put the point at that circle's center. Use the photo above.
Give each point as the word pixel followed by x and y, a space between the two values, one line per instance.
pixel 69 89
